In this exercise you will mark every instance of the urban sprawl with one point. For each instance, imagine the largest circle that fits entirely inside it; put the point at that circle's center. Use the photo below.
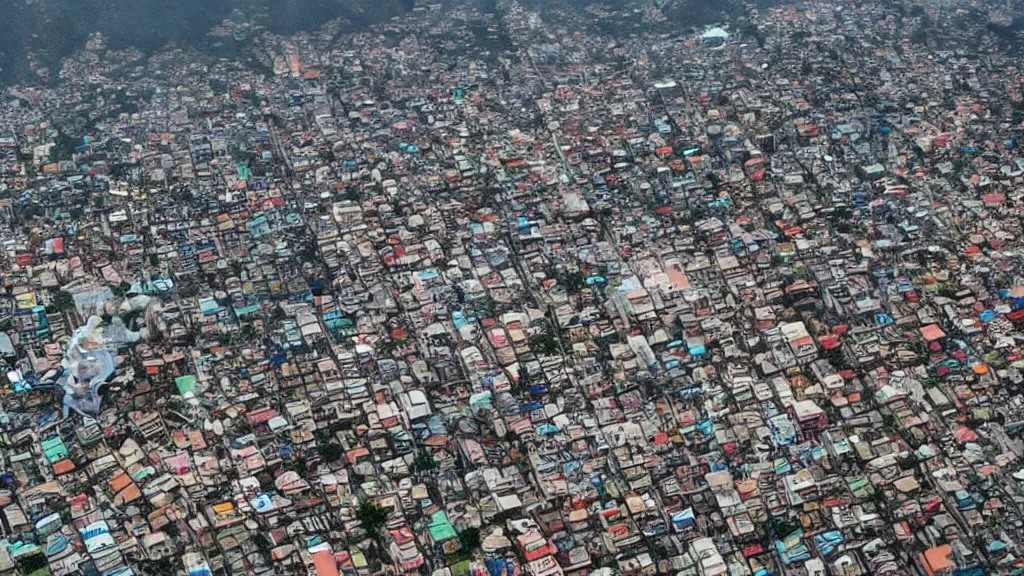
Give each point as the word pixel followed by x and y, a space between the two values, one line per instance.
pixel 505 293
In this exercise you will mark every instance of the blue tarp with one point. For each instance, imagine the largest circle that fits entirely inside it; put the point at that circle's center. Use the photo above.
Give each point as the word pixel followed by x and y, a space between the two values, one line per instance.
pixel 684 519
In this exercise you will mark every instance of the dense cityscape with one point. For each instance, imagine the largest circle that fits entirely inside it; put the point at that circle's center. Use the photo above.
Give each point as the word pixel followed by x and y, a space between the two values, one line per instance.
pixel 499 289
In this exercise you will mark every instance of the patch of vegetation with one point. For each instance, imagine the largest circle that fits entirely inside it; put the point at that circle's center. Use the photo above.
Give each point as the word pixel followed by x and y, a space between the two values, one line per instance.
pixel 424 462
pixel 372 516
pixel 469 539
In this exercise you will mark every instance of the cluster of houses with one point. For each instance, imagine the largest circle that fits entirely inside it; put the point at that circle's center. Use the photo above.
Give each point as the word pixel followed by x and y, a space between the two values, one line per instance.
pixel 501 293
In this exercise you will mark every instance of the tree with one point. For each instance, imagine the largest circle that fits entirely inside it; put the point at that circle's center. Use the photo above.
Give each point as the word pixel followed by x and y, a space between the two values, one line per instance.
pixel 159 566
pixel 247 157
pixel 836 358
pixel 64 146
pixel 424 462
pixel 372 516
pixel 189 291
pixel 469 539
pixel 64 301
pixel 697 212
pixel 121 289
pixel 919 35
pixel 750 30
pixel 908 461
pixel 842 213
pixel 544 344
pixel 574 283
pixel 262 544
pixel 332 452
pixel 29 564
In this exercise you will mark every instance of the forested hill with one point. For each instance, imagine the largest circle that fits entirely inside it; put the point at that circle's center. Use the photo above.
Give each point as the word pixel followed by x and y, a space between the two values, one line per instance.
pixel 56 28
pixel 53 29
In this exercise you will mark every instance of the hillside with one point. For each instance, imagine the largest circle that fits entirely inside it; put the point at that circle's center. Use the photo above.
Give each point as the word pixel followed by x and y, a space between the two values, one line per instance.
pixel 56 28
pixel 53 29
